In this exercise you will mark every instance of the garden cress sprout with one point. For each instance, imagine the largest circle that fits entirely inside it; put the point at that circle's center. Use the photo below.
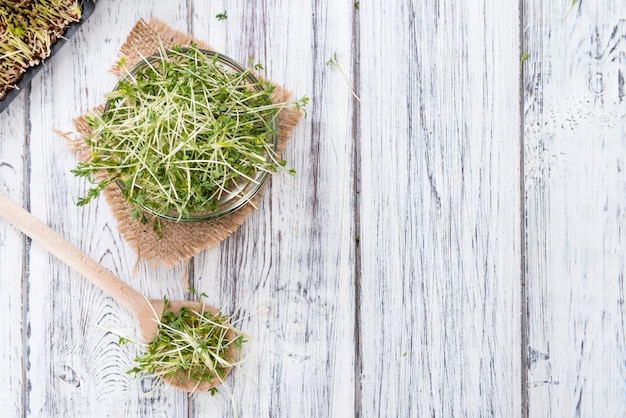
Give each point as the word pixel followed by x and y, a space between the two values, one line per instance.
pixel 183 132
pixel 190 346
pixel 28 28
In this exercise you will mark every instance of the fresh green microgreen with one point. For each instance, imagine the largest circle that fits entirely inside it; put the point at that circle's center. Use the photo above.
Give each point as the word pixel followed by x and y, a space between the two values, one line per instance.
pixel 299 105
pixel 197 346
pixel 333 62
pixel 195 293
pixel 28 29
pixel 157 227
pixel 222 16
pixel 523 59
pixel 356 5
pixel 256 65
pixel 182 133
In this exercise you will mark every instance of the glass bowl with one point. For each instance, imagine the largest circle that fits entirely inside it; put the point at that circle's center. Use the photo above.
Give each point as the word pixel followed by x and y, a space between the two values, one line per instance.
pixel 239 194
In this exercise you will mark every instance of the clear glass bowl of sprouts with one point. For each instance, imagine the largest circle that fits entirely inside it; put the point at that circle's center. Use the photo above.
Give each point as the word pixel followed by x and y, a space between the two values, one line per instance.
pixel 188 135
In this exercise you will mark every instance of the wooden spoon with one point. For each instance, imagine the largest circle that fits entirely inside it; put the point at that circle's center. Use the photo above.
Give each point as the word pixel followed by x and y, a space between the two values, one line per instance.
pixel 146 311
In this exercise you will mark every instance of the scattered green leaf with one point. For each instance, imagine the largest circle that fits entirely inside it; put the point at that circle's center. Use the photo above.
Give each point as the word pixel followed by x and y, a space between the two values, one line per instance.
pixel 333 62
pixel 523 59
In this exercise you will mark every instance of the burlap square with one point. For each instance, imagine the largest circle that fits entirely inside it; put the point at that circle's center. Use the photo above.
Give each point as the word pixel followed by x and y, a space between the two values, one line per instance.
pixel 179 241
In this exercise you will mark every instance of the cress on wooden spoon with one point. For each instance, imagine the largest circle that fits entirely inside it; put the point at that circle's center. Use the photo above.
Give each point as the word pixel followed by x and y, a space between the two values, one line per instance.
pixel 202 360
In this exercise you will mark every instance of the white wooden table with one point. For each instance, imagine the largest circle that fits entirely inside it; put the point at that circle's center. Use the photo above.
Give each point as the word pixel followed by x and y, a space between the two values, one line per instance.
pixel 453 245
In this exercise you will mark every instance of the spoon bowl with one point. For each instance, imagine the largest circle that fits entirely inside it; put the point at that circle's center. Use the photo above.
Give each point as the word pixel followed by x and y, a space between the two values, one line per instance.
pixel 147 311
pixel 149 333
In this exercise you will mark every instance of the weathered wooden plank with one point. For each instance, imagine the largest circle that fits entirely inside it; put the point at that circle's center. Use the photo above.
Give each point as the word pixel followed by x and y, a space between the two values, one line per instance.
pixel 75 362
pixel 13 284
pixel 439 209
pixel 575 194
pixel 290 268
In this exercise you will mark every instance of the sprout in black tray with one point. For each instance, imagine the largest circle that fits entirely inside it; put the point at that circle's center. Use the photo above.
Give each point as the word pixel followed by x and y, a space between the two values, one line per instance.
pixel 28 29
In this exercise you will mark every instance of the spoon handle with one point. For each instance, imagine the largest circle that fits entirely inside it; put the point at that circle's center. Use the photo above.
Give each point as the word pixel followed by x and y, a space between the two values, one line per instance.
pixel 71 255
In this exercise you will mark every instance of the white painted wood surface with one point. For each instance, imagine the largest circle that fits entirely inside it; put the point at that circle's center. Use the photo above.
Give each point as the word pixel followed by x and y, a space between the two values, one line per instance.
pixel 439 208
pixel 13 255
pixel 290 268
pixel 575 197
pixel 438 254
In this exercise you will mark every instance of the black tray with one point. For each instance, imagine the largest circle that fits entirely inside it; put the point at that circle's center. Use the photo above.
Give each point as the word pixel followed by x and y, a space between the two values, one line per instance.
pixel 88 6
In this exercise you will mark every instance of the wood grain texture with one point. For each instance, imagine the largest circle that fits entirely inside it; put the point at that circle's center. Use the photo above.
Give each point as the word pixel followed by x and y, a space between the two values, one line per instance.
pixel 13 281
pixel 290 267
pixel 393 274
pixel 80 366
pixel 439 209
pixel 575 194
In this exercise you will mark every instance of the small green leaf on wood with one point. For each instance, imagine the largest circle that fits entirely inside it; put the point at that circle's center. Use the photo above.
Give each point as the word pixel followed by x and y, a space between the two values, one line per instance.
pixel 523 59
